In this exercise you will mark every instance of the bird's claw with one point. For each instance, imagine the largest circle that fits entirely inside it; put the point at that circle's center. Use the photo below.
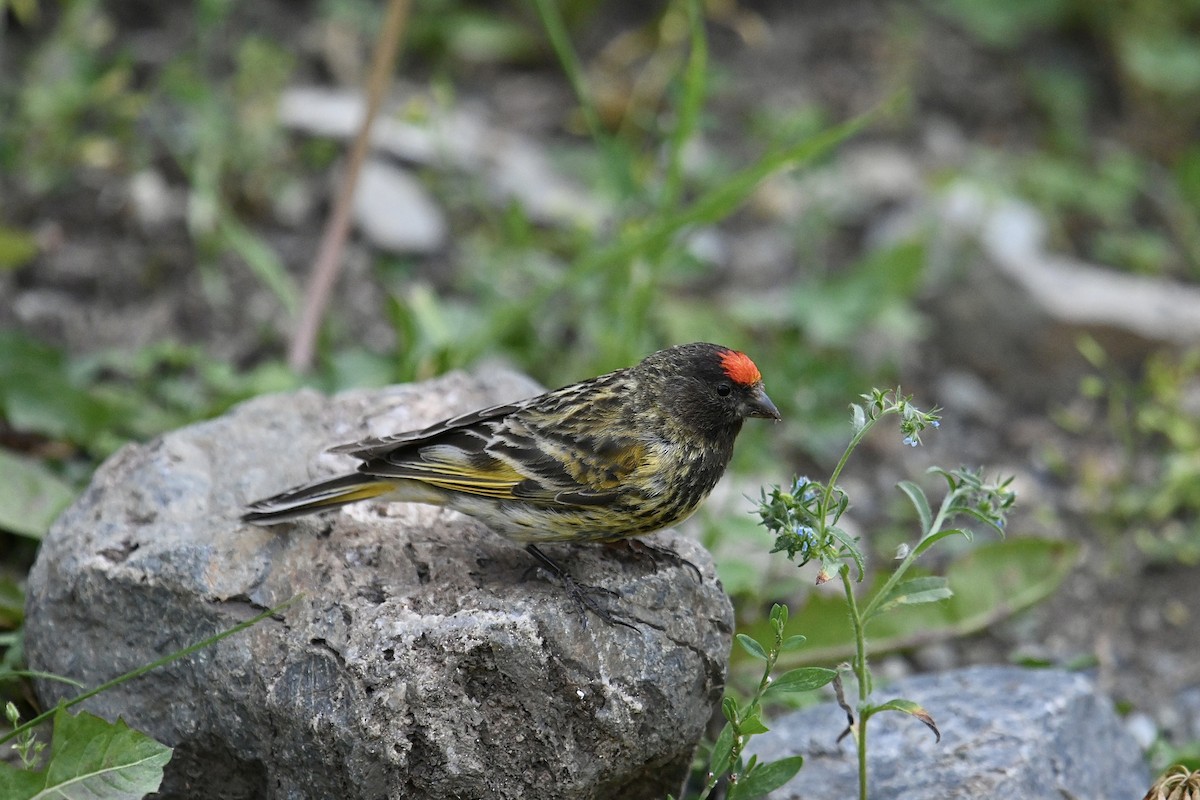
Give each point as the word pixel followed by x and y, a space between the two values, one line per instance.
pixel 582 594
pixel 658 554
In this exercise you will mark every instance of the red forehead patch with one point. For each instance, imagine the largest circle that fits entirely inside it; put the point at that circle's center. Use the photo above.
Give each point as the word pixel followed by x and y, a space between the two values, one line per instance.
pixel 740 368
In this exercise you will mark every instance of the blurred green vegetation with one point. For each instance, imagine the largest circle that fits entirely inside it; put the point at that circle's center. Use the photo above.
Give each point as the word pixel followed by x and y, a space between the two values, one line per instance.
pixel 1117 171
pixel 1148 500
pixel 1120 187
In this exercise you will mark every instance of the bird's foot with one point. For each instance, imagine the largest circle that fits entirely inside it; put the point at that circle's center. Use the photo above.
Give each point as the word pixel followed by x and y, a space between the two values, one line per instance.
pixel 583 595
pixel 658 555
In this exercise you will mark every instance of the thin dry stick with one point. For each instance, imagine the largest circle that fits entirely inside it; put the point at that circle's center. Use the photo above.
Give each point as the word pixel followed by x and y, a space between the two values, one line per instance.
pixel 328 262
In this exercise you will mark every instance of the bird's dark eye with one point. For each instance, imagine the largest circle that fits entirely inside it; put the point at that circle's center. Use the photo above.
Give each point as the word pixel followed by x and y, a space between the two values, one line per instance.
pixel 723 389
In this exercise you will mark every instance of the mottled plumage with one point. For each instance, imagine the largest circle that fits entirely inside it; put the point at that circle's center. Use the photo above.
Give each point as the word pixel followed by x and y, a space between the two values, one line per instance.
pixel 617 456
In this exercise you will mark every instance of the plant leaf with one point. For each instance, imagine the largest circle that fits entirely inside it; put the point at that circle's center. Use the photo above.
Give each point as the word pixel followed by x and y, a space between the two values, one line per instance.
pixel 91 758
pixel 911 708
pixel 911 592
pixel 751 646
pixel 722 752
pixel 765 778
pixel 262 261
pixel 17 783
pixel 753 725
pixel 802 679
pixel 916 496
pixel 729 708
pixel 992 581
pixel 38 394
pixel 721 201
pixel 17 247
pixel 858 417
pixel 779 615
pixel 930 541
pixel 792 642
pixel 847 541
pixel 31 496
pixel 12 604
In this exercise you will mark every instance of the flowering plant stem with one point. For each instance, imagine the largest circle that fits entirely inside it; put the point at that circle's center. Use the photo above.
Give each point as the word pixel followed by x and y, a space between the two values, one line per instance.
pixel 805 520
pixel 862 675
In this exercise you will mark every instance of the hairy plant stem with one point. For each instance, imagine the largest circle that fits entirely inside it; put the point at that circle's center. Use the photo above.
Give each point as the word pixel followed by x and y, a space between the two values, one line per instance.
pixel 862 676
pixel 859 617
pixel 855 441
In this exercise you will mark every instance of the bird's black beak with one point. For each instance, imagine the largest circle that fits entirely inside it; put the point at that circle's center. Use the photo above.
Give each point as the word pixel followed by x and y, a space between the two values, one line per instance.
pixel 761 406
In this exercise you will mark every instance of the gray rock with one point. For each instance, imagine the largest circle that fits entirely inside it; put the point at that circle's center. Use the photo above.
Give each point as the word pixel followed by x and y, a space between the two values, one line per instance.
pixel 1007 732
pixel 1015 317
pixel 1081 294
pixel 1187 708
pixel 337 113
pixel 152 201
pixel 394 212
pixel 422 660
pixel 462 138
pixel 517 169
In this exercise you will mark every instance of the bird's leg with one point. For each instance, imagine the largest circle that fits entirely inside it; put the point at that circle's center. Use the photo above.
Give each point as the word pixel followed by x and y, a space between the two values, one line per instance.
pixel 658 554
pixel 580 593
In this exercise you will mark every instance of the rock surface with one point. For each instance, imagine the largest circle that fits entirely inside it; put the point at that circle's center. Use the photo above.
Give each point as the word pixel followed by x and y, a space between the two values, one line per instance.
pixel 464 138
pixel 1018 312
pixel 1007 732
pixel 395 213
pixel 423 660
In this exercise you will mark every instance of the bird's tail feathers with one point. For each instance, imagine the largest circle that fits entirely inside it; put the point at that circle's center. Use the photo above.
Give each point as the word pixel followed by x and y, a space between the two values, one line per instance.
pixel 313 497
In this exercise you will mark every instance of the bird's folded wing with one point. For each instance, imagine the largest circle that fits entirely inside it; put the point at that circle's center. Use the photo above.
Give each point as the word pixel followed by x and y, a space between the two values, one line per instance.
pixel 368 449
pixel 448 467
pixel 528 474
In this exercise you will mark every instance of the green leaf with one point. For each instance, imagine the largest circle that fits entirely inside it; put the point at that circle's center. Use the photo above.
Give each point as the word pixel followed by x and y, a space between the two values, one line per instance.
pixel 927 589
pixel 31 496
pixel 13 674
pixel 990 582
pixel 907 707
pixel 765 778
pixel 792 642
pixel 17 784
pixel 803 679
pixel 848 542
pixel 1004 24
pixel 722 752
pixel 262 260
pixel 39 395
pixel 720 201
pixel 90 758
pixel 1165 60
pixel 858 417
pixel 12 603
pixel 751 646
pixel 779 615
pixel 17 247
pixel 752 725
pixel 729 708
pixel 930 541
pixel 480 38
pixel 916 495
pixel 873 294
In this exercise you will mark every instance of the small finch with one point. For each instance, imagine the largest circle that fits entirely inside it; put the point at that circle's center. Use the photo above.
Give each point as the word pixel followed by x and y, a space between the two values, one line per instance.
pixel 618 456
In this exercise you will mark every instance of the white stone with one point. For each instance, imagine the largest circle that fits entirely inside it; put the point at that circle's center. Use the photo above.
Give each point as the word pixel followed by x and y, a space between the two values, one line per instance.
pixel 395 212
